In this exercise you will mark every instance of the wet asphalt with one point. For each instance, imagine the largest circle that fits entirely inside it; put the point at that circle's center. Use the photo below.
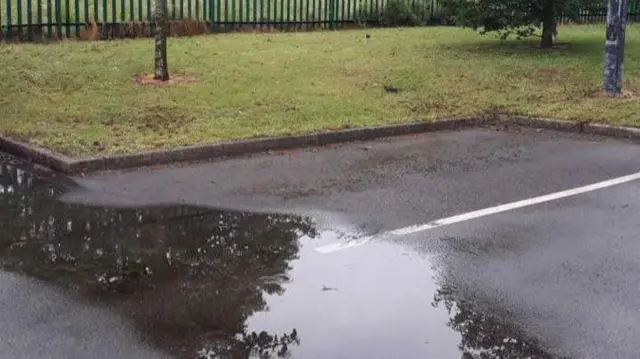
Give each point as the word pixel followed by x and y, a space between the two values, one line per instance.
pixel 218 259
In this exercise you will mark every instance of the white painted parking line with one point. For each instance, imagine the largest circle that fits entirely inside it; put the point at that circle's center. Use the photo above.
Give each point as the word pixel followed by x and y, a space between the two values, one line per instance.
pixel 480 213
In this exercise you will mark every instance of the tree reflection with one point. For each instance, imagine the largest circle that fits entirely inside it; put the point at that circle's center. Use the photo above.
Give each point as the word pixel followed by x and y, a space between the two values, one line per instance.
pixel 188 277
pixel 261 345
pixel 483 337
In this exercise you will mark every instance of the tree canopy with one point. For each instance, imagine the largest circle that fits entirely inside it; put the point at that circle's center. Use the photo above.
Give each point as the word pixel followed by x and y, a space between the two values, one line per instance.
pixel 520 18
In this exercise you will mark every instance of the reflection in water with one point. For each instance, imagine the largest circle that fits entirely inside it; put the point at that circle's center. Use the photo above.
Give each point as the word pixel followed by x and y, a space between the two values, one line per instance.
pixel 484 337
pixel 188 277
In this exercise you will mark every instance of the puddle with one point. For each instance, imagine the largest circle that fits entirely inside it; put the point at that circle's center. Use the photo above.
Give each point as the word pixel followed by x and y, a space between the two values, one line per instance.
pixel 204 283
pixel 381 301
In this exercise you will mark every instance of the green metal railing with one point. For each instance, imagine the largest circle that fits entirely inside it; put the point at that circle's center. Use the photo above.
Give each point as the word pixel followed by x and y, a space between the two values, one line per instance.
pixel 31 19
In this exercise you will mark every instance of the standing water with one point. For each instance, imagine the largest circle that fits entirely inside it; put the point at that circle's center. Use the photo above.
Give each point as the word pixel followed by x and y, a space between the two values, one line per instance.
pixel 199 282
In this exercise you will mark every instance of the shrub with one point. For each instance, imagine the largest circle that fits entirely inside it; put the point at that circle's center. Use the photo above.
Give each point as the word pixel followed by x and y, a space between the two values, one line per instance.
pixel 395 13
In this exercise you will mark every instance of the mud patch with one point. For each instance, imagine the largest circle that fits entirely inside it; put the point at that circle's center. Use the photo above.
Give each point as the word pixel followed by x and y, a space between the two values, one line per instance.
pixel 548 74
pixel 162 119
pixel 177 78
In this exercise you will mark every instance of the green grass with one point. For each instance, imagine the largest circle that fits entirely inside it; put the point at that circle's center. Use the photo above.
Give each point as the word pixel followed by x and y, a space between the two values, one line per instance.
pixel 78 97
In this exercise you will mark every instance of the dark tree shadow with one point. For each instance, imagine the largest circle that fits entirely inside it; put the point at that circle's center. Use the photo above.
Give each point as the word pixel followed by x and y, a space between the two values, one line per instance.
pixel 488 45
pixel 491 45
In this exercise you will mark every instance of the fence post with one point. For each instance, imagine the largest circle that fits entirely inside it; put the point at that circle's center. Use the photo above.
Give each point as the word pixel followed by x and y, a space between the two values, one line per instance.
pixel 39 17
pixel 295 14
pixel 49 22
pixel 332 14
pixel 9 26
pixel 114 17
pixel 19 18
pixel 29 20
pixel 58 16
pixel 76 17
pixel 288 22
pixel 211 14
pixel 87 17
pixel 218 13
pixel 68 17
pixel 255 14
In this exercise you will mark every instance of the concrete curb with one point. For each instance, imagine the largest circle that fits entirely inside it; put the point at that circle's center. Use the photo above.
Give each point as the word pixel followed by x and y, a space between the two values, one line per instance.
pixel 572 126
pixel 38 155
pixel 69 165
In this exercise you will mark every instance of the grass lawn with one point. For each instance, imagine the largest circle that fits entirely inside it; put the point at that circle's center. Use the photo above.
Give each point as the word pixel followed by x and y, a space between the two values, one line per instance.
pixel 79 97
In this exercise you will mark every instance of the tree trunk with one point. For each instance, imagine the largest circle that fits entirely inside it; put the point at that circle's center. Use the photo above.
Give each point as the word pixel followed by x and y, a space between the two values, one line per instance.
pixel 614 47
pixel 548 26
pixel 161 68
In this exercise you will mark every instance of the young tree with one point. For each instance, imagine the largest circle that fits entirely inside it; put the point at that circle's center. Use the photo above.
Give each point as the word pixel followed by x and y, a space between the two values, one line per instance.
pixel 521 18
pixel 161 68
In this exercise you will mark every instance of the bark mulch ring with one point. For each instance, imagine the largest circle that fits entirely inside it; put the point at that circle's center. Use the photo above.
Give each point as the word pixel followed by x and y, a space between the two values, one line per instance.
pixel 625 94
pixel 176 78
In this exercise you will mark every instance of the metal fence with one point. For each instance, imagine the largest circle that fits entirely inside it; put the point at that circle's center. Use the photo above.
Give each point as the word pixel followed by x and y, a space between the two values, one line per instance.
pixel 34 19
pixel 598 16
